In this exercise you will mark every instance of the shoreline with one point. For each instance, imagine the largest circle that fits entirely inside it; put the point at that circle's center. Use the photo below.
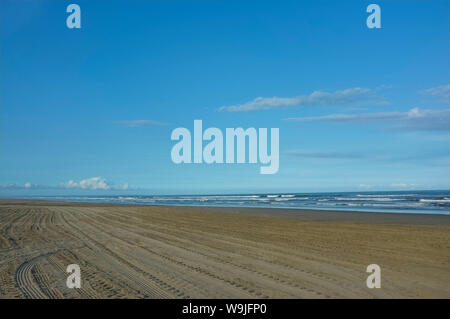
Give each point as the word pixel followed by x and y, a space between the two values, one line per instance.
pixel 210 252
pixel 285 212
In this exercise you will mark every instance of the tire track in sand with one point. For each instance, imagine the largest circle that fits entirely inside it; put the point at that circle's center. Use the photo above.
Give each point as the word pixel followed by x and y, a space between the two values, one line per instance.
pixel 29 284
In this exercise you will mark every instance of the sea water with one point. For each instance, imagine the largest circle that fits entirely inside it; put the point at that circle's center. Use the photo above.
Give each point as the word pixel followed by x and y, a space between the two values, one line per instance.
pixel 433 202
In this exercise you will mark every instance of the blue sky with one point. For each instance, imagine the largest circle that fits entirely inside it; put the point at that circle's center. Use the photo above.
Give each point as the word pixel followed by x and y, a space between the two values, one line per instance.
pixel 91 110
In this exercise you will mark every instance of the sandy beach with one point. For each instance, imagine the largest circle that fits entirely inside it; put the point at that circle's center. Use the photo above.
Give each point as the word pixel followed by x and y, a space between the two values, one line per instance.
pixel 188 252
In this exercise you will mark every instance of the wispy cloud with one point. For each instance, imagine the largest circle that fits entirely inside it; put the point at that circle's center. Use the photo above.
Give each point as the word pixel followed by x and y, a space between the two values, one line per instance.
pixel 325 155
pixel 442 92
pixel 349 96
pixel 415 155
pixel 139 123
pixel 414 119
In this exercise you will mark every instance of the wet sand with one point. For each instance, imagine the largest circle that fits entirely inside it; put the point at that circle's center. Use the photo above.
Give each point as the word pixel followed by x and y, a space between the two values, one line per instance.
pixel 188 252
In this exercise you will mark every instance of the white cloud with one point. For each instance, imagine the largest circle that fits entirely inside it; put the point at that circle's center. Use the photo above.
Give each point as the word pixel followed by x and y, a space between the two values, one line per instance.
pixel 89 183
pixel 442 92
pixel 27 185
pixel 317 98
pixel 414 119
pixel 94 183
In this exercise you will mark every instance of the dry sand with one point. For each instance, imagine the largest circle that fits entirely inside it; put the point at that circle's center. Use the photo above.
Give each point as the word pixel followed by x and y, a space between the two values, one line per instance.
pixel 168 252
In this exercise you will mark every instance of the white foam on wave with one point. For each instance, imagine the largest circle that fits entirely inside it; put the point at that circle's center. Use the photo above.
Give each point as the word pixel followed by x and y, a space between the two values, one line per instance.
pixel 446 200
pixel 386 195
pixel 376 199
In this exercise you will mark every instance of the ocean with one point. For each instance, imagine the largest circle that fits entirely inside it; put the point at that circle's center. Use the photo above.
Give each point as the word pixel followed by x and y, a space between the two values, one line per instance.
pixel 428 202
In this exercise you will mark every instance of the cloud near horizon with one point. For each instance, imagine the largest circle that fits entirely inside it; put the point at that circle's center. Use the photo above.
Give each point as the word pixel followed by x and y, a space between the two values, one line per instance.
pixel 349 96
pixel 397 186
pixel 93 183
pixel 27 185
pixel 414 119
